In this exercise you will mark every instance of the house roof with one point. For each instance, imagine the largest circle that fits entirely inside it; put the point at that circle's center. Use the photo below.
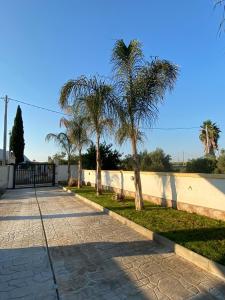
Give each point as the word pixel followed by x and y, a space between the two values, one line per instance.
pixel 7 156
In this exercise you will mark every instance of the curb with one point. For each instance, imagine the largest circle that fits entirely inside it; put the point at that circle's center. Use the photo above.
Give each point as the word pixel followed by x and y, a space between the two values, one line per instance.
pixel 196 259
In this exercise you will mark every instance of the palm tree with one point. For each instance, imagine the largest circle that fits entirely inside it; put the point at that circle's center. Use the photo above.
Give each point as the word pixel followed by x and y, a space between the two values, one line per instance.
pixel 90 97
pixel 221 3
pixel 64 142
pixel 209 136
pixel 140 86
pixel 77 132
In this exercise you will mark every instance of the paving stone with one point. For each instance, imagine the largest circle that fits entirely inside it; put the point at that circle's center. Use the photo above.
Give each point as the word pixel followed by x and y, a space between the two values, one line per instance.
pixel 24 266
pixel 93 255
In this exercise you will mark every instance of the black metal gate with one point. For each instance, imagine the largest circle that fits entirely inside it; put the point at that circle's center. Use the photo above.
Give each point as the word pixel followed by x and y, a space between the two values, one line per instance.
pixel 34 175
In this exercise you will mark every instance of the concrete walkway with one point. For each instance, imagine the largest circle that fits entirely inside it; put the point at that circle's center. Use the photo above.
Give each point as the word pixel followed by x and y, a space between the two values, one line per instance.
pixel 93 256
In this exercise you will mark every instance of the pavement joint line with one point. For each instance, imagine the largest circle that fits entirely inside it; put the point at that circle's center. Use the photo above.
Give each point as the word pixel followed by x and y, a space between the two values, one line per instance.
pixel 198 260
pixel 47 248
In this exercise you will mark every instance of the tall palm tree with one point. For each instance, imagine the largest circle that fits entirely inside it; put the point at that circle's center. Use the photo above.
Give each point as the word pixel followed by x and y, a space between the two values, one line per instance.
pixel 90 97
pixel 141 86
pixel 64 142
pixel 77 132
pixel 209 136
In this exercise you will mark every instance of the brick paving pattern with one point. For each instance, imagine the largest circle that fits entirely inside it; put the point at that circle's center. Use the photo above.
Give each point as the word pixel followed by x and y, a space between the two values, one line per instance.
pixel 93 255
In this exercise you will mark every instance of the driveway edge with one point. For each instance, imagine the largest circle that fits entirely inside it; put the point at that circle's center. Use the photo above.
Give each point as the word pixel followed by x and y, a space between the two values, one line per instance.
pixel 197 259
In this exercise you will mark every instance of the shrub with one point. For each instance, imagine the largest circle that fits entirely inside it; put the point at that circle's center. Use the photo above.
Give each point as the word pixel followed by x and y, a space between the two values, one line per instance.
pixel 201 165
pixel 155 161
pixel 110 159
pixel 221 162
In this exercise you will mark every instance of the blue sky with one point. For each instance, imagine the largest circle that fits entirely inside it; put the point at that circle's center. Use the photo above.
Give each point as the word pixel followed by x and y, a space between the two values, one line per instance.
pixel 45 43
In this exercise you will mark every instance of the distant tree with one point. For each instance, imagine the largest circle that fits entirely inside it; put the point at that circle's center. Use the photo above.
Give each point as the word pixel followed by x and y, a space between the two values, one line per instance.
pixel 60 157
pixel 209 136
pixel 110 159
pixel 201 165
pixel 64 142
pixel 221 162
pixel 90 97
pixel 127 163
pixel 17 143
pixel 155 161
pixel 140 87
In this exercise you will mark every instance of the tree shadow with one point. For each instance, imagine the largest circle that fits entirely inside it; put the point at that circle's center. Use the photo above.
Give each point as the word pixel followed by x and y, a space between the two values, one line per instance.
pixel 105 270
pixel 132 267
pixel 54 216
pixel 25 193
pixel 164 201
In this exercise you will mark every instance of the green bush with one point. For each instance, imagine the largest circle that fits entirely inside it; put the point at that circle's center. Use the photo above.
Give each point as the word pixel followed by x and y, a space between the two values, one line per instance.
pixel 155 161
pixel 221 162
pixel 201 165
pixel 110 159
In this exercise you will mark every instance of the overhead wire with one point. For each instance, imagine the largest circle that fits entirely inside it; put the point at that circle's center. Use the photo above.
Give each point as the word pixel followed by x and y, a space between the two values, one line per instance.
pixel 65 114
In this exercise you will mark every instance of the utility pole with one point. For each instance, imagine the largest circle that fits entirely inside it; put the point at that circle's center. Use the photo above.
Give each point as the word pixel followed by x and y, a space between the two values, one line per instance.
pixel 207 139
pixel 5 130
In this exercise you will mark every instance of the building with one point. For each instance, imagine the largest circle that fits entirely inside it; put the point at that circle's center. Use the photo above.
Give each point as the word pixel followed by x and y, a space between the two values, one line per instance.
pixel 9 157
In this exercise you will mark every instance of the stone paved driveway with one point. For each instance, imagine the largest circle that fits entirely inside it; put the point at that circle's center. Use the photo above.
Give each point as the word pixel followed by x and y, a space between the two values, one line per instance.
pixel 93 255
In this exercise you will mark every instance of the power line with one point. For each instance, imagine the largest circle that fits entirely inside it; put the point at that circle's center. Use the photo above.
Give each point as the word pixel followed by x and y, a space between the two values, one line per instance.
pixel 39 107
pixel 61 113
pixel 171 128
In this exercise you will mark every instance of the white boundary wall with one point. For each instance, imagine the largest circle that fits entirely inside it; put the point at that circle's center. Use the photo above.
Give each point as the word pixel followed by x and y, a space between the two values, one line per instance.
pixel 200 193
pixel 62 172
pixel 4 173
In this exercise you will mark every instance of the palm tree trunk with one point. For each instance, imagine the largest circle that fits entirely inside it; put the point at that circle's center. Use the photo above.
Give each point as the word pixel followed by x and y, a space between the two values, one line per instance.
pixel 79 184
pixel 139 205
pixel 98 167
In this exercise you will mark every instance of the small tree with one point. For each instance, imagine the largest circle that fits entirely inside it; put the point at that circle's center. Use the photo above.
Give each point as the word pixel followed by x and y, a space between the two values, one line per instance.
pixel 17 143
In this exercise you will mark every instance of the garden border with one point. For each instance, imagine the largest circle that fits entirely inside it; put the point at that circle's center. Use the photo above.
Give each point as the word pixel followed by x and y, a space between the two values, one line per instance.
pixel 197 259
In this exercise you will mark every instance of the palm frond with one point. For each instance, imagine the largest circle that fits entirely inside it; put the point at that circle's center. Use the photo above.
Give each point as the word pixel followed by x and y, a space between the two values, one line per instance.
pixel 126 59
pixel 62 140
pixel 140 86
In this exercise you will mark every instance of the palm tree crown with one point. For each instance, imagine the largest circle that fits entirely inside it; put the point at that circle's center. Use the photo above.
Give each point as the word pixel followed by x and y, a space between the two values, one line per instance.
pixel 63 141
pixel 209 135
pixel 89 97
pixel 141 85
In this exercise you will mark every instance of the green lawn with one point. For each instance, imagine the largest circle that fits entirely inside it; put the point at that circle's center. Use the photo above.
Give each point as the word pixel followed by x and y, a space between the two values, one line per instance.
pixel 201 234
